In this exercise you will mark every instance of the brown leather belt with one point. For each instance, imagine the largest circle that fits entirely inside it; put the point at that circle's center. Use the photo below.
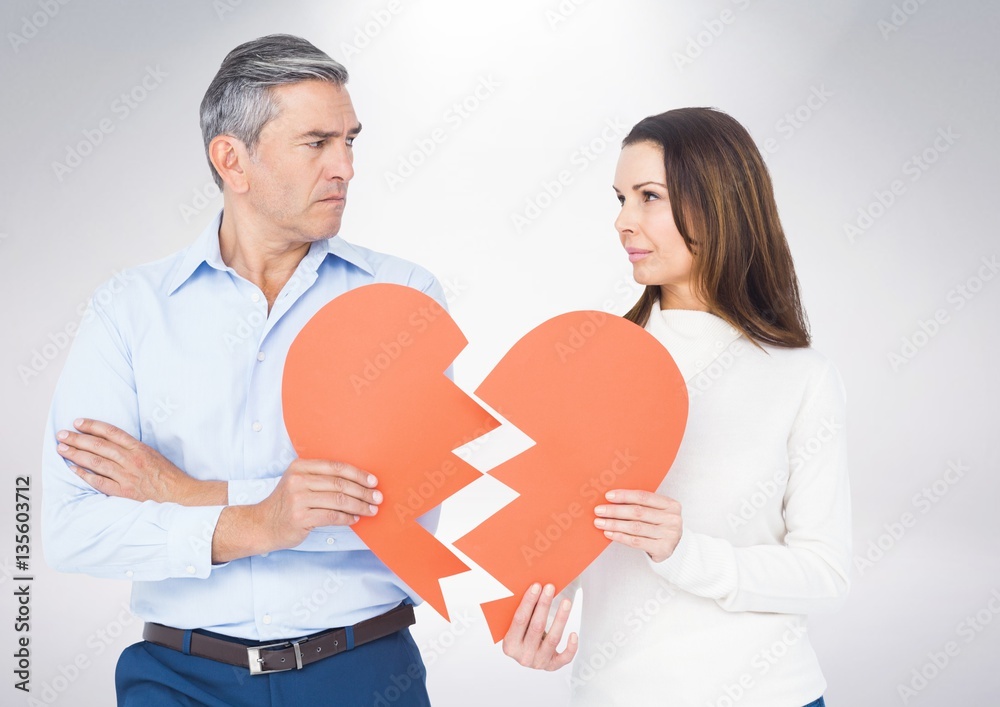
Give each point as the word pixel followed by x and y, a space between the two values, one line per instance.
pixel 284 655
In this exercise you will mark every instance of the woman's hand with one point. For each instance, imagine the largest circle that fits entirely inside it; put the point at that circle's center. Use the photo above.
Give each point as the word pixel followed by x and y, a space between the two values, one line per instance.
pixel 117 464
pixel 528 642
pixel 641 519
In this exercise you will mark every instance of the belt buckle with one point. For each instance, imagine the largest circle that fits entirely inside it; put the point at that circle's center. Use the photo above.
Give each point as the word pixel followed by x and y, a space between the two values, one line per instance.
pixel 256 663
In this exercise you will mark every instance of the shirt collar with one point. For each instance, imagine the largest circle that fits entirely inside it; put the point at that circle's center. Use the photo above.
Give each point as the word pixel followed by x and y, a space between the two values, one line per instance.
pixel 206 250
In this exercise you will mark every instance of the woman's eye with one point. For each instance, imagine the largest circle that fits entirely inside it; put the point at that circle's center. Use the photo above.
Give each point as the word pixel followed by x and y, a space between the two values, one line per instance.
pixel 649 196
pixel 621 199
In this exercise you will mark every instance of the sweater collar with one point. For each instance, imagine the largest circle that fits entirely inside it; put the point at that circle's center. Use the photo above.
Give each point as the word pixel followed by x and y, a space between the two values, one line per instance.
pixel 694 339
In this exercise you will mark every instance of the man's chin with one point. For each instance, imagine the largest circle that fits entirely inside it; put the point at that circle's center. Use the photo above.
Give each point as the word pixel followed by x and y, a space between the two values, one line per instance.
pixel 324 228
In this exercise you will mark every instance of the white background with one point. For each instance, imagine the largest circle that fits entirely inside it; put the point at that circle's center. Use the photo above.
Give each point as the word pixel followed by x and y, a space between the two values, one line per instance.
pixel 891 77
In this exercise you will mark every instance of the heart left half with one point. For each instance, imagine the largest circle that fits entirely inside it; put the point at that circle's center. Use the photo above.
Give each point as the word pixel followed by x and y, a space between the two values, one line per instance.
pixel 364 383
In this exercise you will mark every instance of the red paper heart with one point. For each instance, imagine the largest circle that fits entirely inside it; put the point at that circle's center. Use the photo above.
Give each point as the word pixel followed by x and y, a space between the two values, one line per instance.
pixel 601 398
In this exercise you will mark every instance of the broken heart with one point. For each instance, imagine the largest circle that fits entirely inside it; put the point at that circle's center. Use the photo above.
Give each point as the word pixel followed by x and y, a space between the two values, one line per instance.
pixel 602 400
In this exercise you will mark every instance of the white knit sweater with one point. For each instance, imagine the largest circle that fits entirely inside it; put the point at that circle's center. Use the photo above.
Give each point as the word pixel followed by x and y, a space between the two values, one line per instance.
pixel 761 476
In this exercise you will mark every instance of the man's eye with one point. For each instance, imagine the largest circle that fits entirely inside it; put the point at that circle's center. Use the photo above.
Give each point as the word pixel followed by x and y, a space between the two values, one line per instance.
pixel 350 141
pixel 318 143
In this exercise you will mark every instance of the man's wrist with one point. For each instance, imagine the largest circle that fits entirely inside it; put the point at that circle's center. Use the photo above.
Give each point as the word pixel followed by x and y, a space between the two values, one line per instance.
pixel 194 492
pixel 239 533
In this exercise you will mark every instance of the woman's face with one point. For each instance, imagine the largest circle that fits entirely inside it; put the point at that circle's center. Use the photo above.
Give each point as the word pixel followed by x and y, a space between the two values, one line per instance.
pixel 646 225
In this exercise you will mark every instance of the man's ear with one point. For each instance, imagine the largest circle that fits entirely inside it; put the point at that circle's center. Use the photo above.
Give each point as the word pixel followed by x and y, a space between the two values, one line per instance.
pixel 229 155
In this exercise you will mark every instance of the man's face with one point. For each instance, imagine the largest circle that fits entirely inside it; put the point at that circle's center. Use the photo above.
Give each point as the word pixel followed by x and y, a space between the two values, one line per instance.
pixel 303 162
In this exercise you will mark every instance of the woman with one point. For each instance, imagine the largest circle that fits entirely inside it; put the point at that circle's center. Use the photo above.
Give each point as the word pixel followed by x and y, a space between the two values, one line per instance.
pixel 702 597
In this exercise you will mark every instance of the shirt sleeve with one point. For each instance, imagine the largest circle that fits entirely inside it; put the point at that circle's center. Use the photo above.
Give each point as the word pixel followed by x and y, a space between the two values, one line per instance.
pixel 86 531
pixel 810 571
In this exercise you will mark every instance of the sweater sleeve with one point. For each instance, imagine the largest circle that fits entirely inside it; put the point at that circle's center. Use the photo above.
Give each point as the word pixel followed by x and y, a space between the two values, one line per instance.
pixel 809 571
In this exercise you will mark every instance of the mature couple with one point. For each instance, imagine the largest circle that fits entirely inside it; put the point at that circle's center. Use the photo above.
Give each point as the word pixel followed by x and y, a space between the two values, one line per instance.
pixel 229 539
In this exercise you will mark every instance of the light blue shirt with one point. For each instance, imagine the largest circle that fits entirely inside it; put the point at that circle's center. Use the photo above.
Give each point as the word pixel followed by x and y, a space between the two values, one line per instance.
pixel 182 354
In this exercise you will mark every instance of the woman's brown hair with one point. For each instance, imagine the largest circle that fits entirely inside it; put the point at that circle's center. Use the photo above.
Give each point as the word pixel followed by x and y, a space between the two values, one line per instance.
pixel 723 205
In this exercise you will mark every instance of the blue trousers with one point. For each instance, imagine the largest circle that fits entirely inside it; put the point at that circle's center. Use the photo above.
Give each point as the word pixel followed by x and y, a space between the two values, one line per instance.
pixel 818 703
pixel 387 672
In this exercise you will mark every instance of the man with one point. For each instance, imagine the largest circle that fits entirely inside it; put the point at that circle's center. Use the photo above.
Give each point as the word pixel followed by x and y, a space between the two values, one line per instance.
pixel 248 546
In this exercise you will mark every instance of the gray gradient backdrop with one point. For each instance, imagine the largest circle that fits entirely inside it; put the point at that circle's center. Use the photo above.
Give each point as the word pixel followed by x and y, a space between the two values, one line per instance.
pixel 879 124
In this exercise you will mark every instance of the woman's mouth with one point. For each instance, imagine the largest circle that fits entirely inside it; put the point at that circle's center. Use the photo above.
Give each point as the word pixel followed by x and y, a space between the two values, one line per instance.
pixel 636 254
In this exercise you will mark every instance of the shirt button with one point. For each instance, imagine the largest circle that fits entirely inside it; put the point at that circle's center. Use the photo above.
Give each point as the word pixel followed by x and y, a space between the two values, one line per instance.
pixel 260 355
pixel 255 297
pixel 267 618
pixel 330 541
pixel 190 569
pixel 128 573
pixel 257 427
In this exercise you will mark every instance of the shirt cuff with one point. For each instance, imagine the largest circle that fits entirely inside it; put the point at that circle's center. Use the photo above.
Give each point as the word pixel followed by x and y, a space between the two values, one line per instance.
pixel 189 540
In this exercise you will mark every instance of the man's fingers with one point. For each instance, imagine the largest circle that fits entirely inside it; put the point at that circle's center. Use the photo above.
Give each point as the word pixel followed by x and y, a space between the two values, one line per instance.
pixel 325 517
pixel 92 462
pixel 333 484
pixel 108 432
pixel 342 503
pixel 97 482
pixel 341 470
pixel 90 443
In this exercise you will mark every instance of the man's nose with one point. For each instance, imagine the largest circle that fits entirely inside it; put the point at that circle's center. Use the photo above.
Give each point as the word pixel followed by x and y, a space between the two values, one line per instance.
pixel 340 164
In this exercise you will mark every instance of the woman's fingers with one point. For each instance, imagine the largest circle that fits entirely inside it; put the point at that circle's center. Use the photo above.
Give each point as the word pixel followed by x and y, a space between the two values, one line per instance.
pixel 561 659
pixel 527 641
pixel 539 617
pixel 642 498
pixel 641 519
pixel 519 624
pixel 635 528
pixel 552 659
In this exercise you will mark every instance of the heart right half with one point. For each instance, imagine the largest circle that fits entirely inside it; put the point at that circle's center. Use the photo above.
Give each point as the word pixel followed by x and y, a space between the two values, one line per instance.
pixel 606 406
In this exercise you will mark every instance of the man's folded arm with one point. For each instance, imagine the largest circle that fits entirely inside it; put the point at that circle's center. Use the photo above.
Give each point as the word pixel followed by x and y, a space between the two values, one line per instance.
pixel 86 531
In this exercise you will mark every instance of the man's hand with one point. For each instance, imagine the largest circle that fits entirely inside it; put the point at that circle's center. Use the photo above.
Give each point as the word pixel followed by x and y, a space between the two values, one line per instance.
pixel 311 493
pixel 527 641
pixel 117 464
pixel 643 520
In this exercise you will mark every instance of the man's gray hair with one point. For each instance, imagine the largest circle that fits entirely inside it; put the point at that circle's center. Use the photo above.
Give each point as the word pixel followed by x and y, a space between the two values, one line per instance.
pixel 239 101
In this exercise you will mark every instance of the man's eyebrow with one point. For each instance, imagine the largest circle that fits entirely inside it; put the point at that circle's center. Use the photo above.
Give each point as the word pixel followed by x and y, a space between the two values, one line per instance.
pixel 327 134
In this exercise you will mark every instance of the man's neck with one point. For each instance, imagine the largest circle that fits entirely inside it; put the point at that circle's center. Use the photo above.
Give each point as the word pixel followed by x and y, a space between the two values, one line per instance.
pixel 258 256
